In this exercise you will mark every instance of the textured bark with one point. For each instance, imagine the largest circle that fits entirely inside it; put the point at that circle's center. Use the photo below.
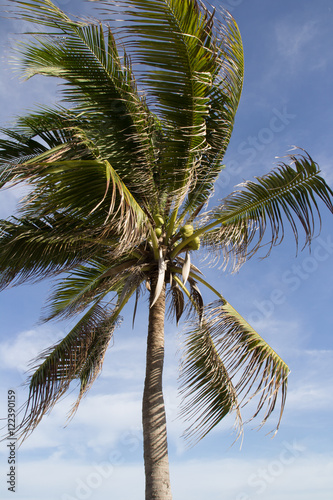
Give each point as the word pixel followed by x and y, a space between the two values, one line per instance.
pixel 153 411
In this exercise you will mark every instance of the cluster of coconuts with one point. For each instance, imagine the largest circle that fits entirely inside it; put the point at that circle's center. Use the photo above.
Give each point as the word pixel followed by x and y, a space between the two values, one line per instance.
pixel 159 221
pixel 187 231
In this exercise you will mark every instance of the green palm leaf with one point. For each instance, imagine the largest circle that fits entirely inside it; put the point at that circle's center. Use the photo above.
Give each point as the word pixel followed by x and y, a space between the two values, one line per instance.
pixel 76 291
pixel 100 84
pixel 225 360
pixel 91 283
pixel 224 96
pixel 237 227
pixel 21 149
pixel 193 65
pixel 34 248
pixel 81 187
pixel 49 135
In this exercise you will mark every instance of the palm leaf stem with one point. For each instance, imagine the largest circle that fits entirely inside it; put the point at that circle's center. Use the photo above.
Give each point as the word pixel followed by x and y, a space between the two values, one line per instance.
pixel 286 187
pixel 171 225
pixel 155 244
pixel 187 293
pixel 127 297
pixel 118 269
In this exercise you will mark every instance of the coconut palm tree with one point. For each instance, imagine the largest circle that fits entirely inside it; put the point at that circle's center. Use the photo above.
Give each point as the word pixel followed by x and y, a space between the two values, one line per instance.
pixel 119 174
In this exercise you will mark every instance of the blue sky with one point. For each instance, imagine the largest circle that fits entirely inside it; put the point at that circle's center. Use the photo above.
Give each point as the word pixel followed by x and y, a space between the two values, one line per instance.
pixel 287 100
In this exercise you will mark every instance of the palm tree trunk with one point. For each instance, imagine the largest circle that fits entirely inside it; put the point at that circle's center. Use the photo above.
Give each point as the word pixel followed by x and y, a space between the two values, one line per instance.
pixel 153 411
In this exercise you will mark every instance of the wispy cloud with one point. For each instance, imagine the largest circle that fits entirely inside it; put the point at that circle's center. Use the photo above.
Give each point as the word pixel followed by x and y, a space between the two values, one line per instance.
pixel 299 44
pixel 292 472
pixel 325 163
pixel 18 353
pixel 311 387
pixel 293 38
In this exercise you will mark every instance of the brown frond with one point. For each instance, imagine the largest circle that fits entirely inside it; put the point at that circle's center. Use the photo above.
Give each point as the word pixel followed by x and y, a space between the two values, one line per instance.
pixel 177 303
pixel 79 356
pixel 197 299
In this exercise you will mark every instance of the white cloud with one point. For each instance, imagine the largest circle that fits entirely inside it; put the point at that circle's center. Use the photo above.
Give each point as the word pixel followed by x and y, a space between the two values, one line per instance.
pixel 107 417
pixel 291 473
pixel 311 387
pixel 310 397
pixel 69 480
pixel 292 37
pixel 18 354
pixel 325 164
pixel 126 358
pixel 102 422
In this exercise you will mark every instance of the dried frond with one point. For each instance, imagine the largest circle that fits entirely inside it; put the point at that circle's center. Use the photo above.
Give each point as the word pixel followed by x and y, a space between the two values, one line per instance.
pixel 79 356
pixel 177 302
pixel 197 298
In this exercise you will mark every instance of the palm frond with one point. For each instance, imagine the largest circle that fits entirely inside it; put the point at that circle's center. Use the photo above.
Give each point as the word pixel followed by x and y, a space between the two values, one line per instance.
pixel 90 283
pixel 198 306
pixel 177 302
pixel 81 187
pixel 79 356
pixel 53 126
pixel 18 148
pixel 189 65
pixel 225 360
pixel 160 278
pixel 74 293
pixel 76 186
pixel 48 133
pixel 186 267
pixel 238 226
pixel 99 82
pixel 34 248
pixel 224 97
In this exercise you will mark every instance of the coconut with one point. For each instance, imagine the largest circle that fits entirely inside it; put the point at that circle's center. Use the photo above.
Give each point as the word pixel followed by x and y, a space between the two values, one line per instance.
pixel 194 244
pixel 159 221
pixel 187 230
